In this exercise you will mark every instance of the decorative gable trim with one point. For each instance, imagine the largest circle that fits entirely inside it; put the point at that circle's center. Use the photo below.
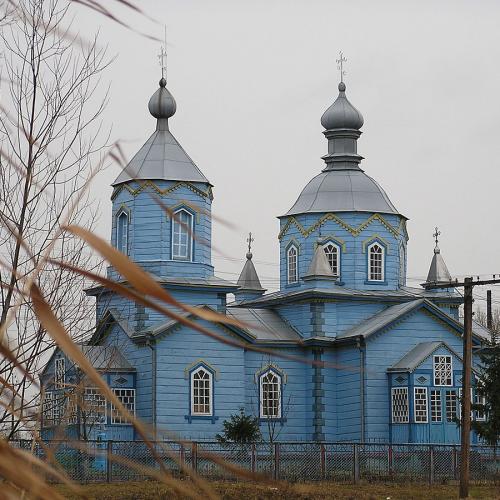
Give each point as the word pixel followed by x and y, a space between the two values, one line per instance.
pixel 162 192
pixel 355 231
pixel 273 367
pixel 374 238
pixel 201 362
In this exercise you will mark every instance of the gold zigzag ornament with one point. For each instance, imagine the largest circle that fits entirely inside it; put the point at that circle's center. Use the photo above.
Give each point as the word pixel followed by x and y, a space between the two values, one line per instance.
pixel 355 231
pixel 162 192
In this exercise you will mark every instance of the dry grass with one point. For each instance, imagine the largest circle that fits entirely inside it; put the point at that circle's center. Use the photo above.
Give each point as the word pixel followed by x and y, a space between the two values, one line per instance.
pixel 286 491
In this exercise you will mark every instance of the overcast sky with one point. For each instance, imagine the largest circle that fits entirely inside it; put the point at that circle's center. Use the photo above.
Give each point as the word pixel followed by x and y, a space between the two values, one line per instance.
pixel 252 79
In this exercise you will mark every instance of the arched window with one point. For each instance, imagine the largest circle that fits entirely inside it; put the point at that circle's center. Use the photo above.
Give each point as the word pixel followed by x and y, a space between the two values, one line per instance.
pixel 122 232
pixel 292 264
pixel 182 230
pixel 270 395
pixel 376 257
pixel 402 265
pixel 332 253
pixel 201 392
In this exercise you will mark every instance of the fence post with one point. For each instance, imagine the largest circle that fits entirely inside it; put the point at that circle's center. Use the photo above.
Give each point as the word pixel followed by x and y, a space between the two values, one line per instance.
pixel 431 464
pixel 276 473
pixel 323 461
pixel 182 457
pixel 356 462
pixel 109 463
pixel 194 456
pixel 455 463
pixel 390 460
pixel 253 458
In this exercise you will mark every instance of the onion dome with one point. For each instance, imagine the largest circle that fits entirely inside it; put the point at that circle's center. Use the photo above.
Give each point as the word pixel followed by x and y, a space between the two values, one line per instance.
pixel 162 104
pixel 342 114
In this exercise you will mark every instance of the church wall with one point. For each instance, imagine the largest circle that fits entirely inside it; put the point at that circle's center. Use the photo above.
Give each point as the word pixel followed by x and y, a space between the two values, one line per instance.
pixel 297 403
pixel 346 314
pixel 150 227
pixel 353 254
pixel 297 315
pixel 179 351
pixel 384 350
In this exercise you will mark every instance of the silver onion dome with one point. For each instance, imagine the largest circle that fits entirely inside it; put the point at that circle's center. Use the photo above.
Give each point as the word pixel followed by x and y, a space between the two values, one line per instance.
pixel 162 104
pixel 342 114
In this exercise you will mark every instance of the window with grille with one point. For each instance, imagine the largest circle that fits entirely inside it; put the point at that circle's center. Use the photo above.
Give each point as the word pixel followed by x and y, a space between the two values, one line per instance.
pixel 182 241
pixel 48 408
pixel 270 395
pixel 71 411
pixel 127 399
pixel 402 265
pixel 332 253
pixel 376 262
pixel 479 414
pixel 436 411
pixel 400 406
pixel 122 232
pixel 94 406
pixel 443 370
pixel 59 373
pixel 201 392
pixel 451 405
pixel 420 404
pixel 292 268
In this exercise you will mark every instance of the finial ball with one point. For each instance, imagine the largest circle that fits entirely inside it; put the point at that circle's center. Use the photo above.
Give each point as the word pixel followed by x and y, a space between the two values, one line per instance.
pixel 163 82
pixel 249 255
pixel 342 87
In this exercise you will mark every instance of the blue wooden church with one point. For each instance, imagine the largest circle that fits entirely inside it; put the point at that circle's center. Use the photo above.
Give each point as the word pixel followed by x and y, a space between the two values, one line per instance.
pixel 383 360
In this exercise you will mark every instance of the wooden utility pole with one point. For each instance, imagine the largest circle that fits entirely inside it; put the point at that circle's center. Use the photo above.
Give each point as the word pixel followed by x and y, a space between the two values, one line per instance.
pixel 489 311
pixel 468 285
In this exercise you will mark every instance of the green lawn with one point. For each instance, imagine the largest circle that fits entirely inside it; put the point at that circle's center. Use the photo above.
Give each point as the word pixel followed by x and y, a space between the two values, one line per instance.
pixel 284 491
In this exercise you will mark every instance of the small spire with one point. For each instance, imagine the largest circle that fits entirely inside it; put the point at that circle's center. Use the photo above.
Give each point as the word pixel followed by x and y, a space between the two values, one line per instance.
pixel 319 267
pixel 438 271
pixel 249 280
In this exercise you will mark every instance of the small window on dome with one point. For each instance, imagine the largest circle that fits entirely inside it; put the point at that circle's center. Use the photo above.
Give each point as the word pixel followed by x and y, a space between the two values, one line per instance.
pixel 122 232
pixel 376 261
pixel 332 253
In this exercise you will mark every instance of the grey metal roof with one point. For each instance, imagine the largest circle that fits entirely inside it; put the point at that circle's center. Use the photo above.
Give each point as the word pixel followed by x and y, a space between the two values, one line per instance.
pixel 382 319
pixel 264 324
pixel 106 357
pixel 319 266
pixel 249 280
pixel 161 157
pixel 438 272
pixel 342 114
pixel 416 356
pixel 342 191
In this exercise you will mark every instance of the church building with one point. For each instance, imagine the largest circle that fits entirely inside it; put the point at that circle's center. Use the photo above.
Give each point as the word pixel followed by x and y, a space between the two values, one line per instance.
pixel 347 351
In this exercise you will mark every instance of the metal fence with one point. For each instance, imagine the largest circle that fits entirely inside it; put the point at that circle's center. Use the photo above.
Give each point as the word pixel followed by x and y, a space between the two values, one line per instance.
pixel 107 461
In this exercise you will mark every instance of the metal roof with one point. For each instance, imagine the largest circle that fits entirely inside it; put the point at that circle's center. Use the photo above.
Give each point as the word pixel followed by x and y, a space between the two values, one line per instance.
pixel 249 280
pixel 319 266
pixel 264 324
pixel 438 272
pixel 106 357
pixel 416 356
pixel 342 191
pixel 342 114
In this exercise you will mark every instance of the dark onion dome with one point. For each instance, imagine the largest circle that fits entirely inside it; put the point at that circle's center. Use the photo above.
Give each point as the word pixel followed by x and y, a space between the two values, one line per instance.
pixel 162 104
pixel 342 191
pixel 342 114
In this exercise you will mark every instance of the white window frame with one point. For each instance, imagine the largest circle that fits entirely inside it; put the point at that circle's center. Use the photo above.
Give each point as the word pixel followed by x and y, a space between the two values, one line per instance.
pixel 399 395
pixel 121 393
pixel 437 359
pixel 460 403
pixel 479 400
pixel 337 248
pixel 402 265
pixel 436 406
pixel 176 222
pixel 48 408
pixel 60 373
pixel 264 407
pixel 382 262
pixel 195 412
pixel 291 279
pixel 93 400
pixel 450 403
pixel 420 405
pixel 122 243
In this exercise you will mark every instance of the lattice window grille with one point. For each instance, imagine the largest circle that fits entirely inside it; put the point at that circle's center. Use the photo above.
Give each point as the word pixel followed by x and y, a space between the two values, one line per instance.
pixel 436 411
pixel 443 370
pixel 451 405
pixel 127 399
pixel 59 373
pixel 182 228
pixel 94 406
pixel 400 405
pixel 332 253
pixel 479 415
pixel 201 392
pixel 420 405
pixel 292 267
pixel 48 407
pixel 270 395
pixel 376 262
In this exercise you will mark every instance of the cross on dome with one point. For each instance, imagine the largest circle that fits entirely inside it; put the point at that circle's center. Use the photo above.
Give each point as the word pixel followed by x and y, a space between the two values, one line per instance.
pixel 340 65
pixel 250 240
